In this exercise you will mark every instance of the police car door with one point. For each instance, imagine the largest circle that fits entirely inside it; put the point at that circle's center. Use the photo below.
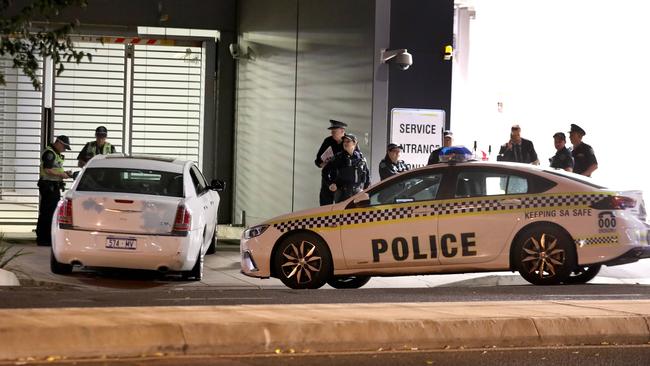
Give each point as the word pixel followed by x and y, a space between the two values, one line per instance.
pixel 476 224
pixel 396 229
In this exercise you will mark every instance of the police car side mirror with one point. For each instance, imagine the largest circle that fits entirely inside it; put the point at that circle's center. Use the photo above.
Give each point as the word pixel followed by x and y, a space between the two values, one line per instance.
pixel 362 200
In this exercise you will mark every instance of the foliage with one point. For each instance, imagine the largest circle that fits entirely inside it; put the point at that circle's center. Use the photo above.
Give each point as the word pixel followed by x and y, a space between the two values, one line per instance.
pixel 25 44
pixel 5 252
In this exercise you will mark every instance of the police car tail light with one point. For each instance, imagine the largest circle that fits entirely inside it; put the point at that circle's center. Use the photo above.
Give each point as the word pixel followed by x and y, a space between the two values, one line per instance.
pixel 182 222
pixel 64 215
pixel 615 203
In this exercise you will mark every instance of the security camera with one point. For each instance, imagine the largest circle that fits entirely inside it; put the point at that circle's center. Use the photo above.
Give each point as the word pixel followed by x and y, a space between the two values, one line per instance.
pixel 234 50
pixel 238 53
pixel 399 57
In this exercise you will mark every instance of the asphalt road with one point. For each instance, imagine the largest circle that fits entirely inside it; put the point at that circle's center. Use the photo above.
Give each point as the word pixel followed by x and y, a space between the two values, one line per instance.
pixel 552 356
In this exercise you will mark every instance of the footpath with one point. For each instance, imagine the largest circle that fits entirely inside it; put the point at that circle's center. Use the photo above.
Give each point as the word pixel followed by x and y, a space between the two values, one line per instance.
pixel 27 334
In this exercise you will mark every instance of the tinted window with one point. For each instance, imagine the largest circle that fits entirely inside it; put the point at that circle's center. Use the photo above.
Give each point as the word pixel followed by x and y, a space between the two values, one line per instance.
pixel 125 180
pixel 423 187
pixel 200 185
pixel 478 183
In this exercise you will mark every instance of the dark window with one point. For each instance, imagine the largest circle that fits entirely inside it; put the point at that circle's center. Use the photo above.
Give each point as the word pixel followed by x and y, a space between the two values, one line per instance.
pixel 422 187
pixel 200 185
pixel 124 180
pixel 576 178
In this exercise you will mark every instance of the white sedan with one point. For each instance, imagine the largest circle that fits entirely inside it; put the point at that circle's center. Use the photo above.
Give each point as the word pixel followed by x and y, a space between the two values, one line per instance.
pixel 551 226
pixel 136 212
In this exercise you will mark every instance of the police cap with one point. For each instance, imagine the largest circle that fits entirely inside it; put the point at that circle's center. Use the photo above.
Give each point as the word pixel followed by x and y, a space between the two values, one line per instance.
pixel 393 146
pixel 64 140
pixel 337 124
pixel 447 133
pixel 101 131
pixel 560 135
pixel 350 136
pixel 578 129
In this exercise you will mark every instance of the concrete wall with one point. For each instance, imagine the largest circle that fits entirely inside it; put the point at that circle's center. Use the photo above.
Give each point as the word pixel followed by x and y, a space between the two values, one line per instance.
pixel 313 61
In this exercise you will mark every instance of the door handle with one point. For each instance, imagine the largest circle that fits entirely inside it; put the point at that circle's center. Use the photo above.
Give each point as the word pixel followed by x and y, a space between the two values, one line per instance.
pixel 510 201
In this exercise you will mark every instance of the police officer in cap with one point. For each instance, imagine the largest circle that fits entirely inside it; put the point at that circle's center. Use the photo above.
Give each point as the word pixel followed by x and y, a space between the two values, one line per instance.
pixel 391 164
pixel 583 154
pixel 562 158
pixel 50 185
pixel 447 141
pixel 98 147
pixel 331 146
pixel 347 174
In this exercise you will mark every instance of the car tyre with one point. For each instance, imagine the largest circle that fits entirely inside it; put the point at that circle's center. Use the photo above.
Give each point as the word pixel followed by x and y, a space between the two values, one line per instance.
pixel 196 273
pixel 57 267
pixel 302 261
pixel 343 282
pixel 213 243
pixel 583 274
pixel 544 255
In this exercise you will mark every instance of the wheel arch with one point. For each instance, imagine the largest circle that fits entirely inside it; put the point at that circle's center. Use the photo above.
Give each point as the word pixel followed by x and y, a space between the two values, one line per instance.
pixel 294 232
pixel 530 226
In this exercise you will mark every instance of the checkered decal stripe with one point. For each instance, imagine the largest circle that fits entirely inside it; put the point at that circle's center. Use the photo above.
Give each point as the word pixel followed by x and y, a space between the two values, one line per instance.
pixel 611 239
pixel 468 206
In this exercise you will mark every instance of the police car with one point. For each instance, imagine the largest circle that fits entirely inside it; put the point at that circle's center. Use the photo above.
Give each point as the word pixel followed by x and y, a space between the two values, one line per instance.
pixel 551 226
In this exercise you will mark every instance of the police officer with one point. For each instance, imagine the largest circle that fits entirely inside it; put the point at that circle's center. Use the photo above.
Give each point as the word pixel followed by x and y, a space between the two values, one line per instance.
pixel 391 164
pixel 50 185
pixel 98 147
pixel 347 174
pixel 562 158
pixel 331 146
pixel 583 155
pixel 447 141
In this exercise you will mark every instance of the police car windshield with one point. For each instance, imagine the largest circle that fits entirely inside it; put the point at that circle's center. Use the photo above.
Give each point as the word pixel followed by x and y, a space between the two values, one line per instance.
pixel 575 177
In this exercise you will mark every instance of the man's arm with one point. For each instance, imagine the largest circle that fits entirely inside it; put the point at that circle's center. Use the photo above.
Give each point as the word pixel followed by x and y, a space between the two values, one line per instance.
pixel 48 166
pixel 319 161
pixel 533 153
pixel 82 158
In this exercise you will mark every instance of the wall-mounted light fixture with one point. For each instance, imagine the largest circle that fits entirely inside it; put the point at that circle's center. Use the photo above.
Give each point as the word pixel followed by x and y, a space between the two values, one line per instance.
pixel 399 57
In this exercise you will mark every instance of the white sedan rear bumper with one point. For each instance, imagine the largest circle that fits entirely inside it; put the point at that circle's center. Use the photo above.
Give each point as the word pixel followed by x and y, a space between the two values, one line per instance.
pixel 152 252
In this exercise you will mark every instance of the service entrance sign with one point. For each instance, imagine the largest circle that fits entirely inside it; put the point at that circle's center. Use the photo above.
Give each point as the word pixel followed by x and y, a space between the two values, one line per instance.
pixel 419 131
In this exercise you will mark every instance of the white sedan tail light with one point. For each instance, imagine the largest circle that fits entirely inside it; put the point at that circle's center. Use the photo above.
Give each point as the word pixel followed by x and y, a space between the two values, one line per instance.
pixel 182 222
pixel 64 216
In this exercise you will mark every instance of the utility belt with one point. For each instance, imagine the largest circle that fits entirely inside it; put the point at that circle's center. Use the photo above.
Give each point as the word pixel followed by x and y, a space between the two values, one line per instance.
pixel 51 185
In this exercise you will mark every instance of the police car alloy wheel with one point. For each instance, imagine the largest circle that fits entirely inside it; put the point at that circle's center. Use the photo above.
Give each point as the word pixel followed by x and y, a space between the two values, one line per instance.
pixel 583 274
pixel 545 255
pixel 302 261
pixel 342 282
pixel 57 267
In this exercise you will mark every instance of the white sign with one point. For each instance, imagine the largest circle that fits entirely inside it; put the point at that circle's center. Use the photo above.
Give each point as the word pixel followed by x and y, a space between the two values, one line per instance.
pixel 419 131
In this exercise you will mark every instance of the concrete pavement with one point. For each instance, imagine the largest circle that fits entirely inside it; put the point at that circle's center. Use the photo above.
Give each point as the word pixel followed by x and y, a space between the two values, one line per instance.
pixel 264 329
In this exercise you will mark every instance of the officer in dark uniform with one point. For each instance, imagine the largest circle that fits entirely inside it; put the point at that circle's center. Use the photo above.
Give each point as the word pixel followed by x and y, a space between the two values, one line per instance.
pixel 447 141
pixel 347 174
pixel 391 164
pixel 562 158
pixel 583 155
pixel 331 146
pixel 98 147
pixel 50 185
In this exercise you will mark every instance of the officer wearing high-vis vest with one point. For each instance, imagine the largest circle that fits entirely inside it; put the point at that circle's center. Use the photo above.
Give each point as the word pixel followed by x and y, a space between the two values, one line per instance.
pixel 98 147
pixel 50 185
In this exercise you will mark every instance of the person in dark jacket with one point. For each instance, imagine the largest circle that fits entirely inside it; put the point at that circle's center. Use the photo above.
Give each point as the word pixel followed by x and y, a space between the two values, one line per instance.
pixel 518 149
pixel 391 164
pixel 562 158
pixel 331 146
pixel 447 141
pixel 583 155
pixel 347 174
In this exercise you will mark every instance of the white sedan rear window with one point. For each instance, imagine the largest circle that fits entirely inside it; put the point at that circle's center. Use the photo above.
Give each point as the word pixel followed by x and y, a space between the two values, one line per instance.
pixel 125 180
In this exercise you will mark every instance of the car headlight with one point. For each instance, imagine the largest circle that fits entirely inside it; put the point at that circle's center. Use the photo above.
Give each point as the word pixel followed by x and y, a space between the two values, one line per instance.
pixel 255 231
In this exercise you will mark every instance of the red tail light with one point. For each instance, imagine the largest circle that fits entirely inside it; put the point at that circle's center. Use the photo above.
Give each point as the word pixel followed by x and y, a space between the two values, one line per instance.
pixel 615 203
pixel 64 216
pixel 182 222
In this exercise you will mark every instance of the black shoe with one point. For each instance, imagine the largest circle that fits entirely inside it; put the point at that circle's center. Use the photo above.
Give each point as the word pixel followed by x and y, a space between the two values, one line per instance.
pixel 43 244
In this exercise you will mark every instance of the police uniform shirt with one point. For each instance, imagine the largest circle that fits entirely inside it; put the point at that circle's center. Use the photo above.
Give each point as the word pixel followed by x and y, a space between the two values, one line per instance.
pixel 348 171
pixel 387 168
pixel 584 157
pixel 83 154
pixel 562 159
pixel 434 158
pixel 48 159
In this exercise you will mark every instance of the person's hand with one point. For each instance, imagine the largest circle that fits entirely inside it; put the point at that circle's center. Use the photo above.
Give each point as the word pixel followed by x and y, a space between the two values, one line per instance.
pixel 509 145
pixel 323 164
pixel 68 173
pixel 333 187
